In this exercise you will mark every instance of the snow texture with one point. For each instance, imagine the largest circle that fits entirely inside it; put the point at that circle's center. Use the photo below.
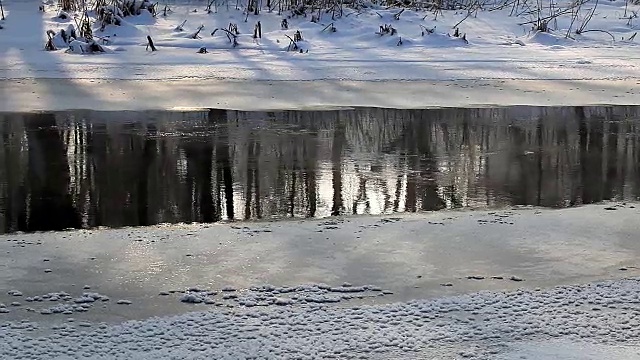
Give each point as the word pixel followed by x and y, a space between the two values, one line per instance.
pixel 518 65
pixel 64 302
pixel 478 326
pixel 267 295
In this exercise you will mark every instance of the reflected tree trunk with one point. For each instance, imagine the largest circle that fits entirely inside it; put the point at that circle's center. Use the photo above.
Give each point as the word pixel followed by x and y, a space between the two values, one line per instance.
pixel 15 197
pixel 612 160
pixel 200 184
pixel 591 144
pixel 207 207
pixel 413 165
pixel 148 155
pixel 223 161
pixel 251 165
pixel 256 179
pixel 539 138
pixel 309 154
pixel 50 203
pixel 336 161
pixel 361 197
pixel 431 200
pixel 397 193
pixel 92 182
pixel 292 187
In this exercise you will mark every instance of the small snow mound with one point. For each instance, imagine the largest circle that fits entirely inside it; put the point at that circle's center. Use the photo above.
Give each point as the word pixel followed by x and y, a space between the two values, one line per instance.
pixel 322 299
pixel 61 309
pixel 124 302
pixel 283 301
pixel 209 301
pixel 83 300
pixel 81 47
pixel 441 40
pixel 349 289
pixel 248 303
pixel 196 289
pixel 95 296
pixel 190 298
pixel 547 38
pixel 14 293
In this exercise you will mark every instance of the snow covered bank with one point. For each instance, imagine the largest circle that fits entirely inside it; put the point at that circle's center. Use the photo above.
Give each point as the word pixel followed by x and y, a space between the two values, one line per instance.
pixel 503 63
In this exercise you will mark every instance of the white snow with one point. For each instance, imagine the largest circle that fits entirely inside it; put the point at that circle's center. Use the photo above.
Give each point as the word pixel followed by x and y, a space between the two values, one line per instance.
pixel 589 321
pixel 267 315
pixel 569 350
pixel 503 64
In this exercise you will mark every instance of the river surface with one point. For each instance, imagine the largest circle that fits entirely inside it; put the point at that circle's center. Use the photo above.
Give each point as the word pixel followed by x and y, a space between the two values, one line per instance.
pixel 84 169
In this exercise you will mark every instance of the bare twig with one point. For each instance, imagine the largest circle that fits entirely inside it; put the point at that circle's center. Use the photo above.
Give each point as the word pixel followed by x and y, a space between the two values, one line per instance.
pixel 292 44
pixel 427 30
pixel 330 27
pixel 150 44
pixel 587 18
pixel 196 35
pixel 606 32
pixel 233 38
pixel 469 12
pixel 397 15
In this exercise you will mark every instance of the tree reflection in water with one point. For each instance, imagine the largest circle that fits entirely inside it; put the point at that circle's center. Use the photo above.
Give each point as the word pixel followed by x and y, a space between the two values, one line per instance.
pixel 87 169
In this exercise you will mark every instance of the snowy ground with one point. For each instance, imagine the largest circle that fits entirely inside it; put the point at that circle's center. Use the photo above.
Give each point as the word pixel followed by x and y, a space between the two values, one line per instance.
pixel 485 285
pixel 475 284
pixel 597 321
pixel 430 70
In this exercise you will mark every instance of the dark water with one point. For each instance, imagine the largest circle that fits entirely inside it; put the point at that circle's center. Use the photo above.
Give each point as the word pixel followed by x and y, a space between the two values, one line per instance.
pixel 86 169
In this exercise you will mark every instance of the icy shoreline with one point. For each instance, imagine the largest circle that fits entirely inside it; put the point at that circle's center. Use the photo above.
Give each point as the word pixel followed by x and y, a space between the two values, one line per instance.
pixel 27 95
pixel 415 256
pixel 452 284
